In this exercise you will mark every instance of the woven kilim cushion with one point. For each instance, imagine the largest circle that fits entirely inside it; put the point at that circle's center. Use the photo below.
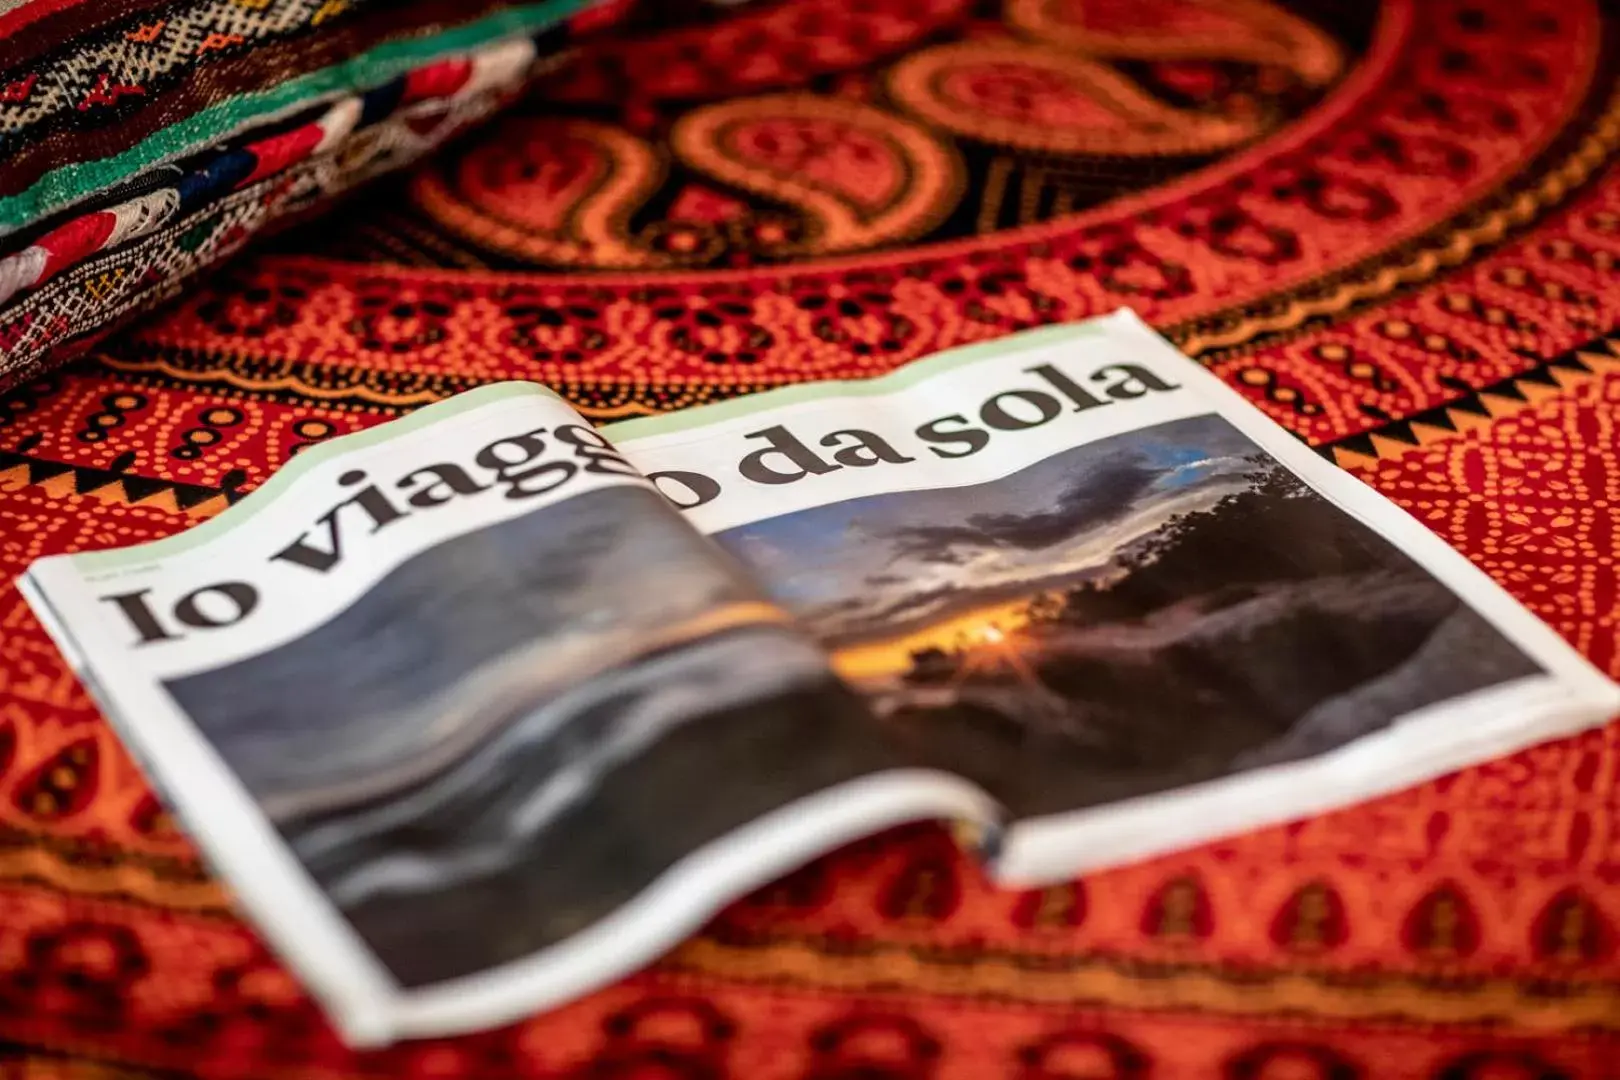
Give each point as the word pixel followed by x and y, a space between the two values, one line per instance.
pixel 1393 224
pixel 127 130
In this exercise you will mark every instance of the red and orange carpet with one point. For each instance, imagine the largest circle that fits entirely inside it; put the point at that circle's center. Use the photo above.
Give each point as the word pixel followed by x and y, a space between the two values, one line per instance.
pixel 1394 225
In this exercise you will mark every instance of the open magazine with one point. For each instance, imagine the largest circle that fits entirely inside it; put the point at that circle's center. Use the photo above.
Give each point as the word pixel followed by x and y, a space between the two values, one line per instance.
pixel 483 708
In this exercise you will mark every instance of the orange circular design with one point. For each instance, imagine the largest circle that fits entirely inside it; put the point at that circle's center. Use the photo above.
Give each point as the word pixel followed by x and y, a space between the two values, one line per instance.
pixel 1314 202
pixel 221 417
pixel 1346 193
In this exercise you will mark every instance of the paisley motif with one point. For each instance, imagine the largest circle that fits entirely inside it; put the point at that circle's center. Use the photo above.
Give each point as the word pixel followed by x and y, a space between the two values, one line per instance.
pixel 801 129
pixel 554 190
pixel 862 177
pixel 1034 98
pixel 1252 31
pixel 564 191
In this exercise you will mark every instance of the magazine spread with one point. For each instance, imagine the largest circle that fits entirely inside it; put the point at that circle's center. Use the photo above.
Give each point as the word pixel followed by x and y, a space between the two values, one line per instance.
pixel 484 708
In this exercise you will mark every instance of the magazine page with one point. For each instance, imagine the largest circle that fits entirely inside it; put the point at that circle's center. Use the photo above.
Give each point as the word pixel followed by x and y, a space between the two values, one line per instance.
pixel 1076 568
pixel 470 719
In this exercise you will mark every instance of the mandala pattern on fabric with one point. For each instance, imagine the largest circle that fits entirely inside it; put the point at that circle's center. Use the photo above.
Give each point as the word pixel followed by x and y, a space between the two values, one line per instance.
pixel 1035 123
pixel 1402 246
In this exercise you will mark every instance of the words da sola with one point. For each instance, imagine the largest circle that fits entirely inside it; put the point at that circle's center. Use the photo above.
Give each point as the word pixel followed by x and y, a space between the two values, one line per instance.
pixel 783 456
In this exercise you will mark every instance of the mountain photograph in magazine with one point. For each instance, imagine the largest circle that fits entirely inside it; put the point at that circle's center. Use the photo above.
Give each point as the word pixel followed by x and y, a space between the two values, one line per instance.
pixel 1156 608
pixel 516 731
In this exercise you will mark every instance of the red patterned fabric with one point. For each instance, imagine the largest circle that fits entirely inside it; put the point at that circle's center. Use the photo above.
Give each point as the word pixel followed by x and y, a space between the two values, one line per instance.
pixel 1394 226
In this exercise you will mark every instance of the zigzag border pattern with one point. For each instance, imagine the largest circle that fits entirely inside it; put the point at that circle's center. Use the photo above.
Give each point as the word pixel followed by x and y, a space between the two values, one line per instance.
pixel 59 479
pixel 1474 409
pixel 375 389
pixel 1478 407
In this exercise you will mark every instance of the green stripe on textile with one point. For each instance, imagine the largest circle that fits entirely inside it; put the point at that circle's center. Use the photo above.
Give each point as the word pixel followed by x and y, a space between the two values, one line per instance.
pixel 64 186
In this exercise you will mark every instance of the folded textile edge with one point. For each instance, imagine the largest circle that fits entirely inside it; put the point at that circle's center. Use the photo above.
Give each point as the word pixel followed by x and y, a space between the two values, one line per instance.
pixel 226 107
pixel 69 285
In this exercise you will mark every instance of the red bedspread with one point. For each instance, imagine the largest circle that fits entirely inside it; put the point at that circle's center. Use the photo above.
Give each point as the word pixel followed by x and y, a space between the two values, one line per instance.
pixel 1394 226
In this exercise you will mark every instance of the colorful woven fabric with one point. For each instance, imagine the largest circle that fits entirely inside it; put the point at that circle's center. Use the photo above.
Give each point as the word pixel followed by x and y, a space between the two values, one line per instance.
pixel 101 91
pixel 1393 225
pixel 220 97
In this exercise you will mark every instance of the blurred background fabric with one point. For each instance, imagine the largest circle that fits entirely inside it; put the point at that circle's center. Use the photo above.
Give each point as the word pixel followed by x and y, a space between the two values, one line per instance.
pixel 1392 225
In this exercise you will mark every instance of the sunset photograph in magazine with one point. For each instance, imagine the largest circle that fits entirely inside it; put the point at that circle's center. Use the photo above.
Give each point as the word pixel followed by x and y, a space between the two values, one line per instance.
pixel 1155 608
pixel 516 731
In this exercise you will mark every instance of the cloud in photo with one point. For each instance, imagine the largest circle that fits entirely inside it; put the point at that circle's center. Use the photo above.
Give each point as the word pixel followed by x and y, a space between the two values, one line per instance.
pixel 867 568
pixel 1103 495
